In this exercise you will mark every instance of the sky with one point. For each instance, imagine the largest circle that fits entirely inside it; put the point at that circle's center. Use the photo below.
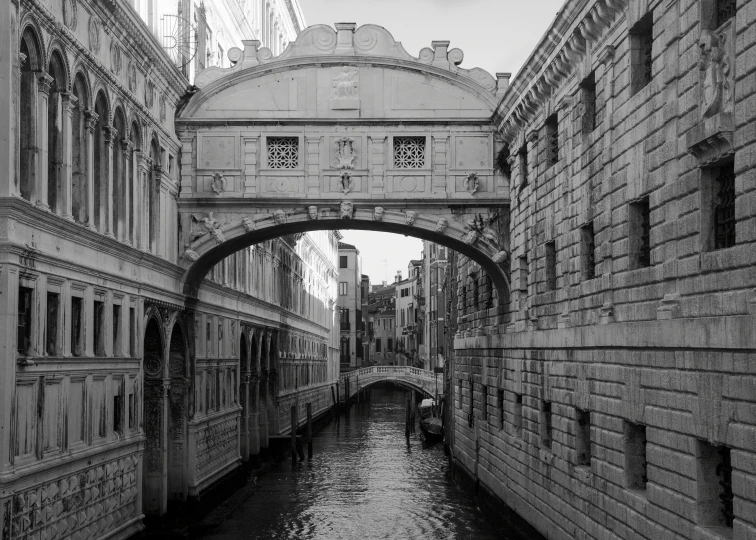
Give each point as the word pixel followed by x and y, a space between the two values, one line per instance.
pixel 496 35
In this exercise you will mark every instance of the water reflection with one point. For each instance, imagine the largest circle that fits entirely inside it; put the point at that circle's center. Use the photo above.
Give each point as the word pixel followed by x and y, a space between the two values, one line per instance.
pixel 365 481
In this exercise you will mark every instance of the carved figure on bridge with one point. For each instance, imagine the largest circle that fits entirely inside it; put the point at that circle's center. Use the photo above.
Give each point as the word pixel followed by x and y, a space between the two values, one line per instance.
pixel 312 212
pixel 410 217
pixel 201 226
pixel 279 216
pixel 477 227
pixel 346 210
pixel 249 224
pixel 344 85
pixel 472 183
pixel 714 61
pixel 346 182
pixel 378 213
pixel 441 225
pixel 345 153
pixel 219 183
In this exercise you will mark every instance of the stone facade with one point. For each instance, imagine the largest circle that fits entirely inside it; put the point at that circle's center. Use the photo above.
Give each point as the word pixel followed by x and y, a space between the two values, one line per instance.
pixel 350 306
pixel 619 400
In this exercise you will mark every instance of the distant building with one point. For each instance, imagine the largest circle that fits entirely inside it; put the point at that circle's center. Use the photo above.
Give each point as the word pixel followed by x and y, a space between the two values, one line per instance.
pixel 435 296
pixel 350 306
pixel 406 319
pixel 382 325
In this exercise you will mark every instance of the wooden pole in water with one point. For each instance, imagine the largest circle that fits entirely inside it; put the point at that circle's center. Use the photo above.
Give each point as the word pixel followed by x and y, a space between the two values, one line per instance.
pixel 293 435
pixel 309 431
pixel 333 397
pixel 407 419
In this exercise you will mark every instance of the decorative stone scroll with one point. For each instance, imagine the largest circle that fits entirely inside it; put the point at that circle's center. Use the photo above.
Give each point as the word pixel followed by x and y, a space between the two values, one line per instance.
pixel 345 89
pixel 346 183
pixel 201 226
pixel 70 14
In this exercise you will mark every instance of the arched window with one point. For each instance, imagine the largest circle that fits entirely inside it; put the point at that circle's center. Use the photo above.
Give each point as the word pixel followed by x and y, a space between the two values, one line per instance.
pixel 30 59
pixel 101 166
pixel 152 195
pixel 119 173
pixel 55 158
pixel 79 195
pixel 135 148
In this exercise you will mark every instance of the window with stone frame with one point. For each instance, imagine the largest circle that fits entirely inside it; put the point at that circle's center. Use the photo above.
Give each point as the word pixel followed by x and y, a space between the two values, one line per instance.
pixel 588 251
pixel 518 415
pixel 545 424
pixel 714 495
pixel 715 13
pixel 409 152
pixel 552 139
pixel 639 221
pixel 636 466
pixel 484 402
pixel 99 328
pixel 24 320
pixel 641 52
pixel 550 263
pixel 76 326
pixel 582 438
pixel 53 310
pixel 522 155
pixel 283 152
pixel 718 221
pixel 588 104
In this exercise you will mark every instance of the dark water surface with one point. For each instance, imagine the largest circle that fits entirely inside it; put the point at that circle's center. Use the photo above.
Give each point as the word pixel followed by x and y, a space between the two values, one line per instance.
pixel 363 482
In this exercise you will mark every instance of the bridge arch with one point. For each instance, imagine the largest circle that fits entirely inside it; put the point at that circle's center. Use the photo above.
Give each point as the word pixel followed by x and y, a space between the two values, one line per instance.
pixel 413 378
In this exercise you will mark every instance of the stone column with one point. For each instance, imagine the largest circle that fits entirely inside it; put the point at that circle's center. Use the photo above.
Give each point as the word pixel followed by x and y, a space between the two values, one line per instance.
pixel 145 166
pixel 155 216
pixel 128 167
pixel 245 377
pixel 68 102
pixel 106 206
pixel 39 195
pixel 91 119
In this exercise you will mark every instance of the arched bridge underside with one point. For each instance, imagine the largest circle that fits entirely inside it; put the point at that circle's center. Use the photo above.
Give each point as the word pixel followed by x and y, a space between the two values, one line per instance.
pixel 418 379
pixel 343 130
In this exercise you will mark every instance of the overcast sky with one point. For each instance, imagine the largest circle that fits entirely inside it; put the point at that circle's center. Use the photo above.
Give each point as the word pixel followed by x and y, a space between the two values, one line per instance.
pixel 496 35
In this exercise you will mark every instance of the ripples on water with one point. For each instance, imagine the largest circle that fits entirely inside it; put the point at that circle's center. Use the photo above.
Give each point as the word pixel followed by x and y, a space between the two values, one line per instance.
pixel 363 482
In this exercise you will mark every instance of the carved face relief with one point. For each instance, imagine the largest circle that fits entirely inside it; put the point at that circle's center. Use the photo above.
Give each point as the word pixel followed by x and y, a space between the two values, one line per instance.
pixel 441 225
pixel 346 210
pixel 312 212
pixel 410 217
pixel 249 224
pixel 279 216
pixel 378 213
pixel 500 257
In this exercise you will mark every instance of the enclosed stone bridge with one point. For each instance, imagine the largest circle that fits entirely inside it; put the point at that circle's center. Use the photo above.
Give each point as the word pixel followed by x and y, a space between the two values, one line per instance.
pixel 414 378
pixel 343 130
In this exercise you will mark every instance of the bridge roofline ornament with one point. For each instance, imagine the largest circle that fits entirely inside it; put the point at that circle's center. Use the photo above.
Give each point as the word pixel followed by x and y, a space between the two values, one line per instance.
pixel 369 41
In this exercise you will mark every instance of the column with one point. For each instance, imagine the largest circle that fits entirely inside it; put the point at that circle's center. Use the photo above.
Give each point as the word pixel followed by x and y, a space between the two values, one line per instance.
pixel 91 119
pixel 39 195
pixel 128 167
pixel 244 377
pixel 145 165
pixel 68 102
pixel 155 209
pixel 106 206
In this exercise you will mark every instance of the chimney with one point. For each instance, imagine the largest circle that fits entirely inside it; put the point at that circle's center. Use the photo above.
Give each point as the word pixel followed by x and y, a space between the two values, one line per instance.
pixel 398 276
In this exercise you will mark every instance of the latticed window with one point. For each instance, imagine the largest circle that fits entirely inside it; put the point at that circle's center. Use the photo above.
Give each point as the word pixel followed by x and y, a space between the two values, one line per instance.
pixel 640 233
pixel 409 152
pixel 283 152
pixel 724 210
pixel 725 11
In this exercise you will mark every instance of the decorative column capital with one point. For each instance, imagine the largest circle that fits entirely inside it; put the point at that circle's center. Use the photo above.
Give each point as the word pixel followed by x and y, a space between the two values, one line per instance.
pixel 44 83
pixel 110 135
pixel 90 119
pixel 126 146
pixel 21 60
pixel 69 102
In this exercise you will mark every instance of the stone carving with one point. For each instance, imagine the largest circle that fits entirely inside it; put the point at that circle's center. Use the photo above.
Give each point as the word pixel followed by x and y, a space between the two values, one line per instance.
pixel 116 62
pixel 378 213
pixel 500 257
pixel 219 183
pixel 153 366
pixel 472 183
pixel 161 108
pixel 149 94
pixel 312 212
pixel 190 255
pixel 345 89
pixel 132 77
pixel 441 225
pixel 346 210
pixel 70 14
pixel 345 153
pixel 478 227
pixel 714 62
pixel 94 34
pixel 279 216
pixel 346 183
pixel 249 224
pixel 410 217
pixel 216 446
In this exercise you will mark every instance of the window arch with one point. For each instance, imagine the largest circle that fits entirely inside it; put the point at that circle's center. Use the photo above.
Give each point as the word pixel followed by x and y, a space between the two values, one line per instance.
pixel 135 136
pixel 101 165
pixel 119 196
pixel 79 148
pixel 152 195
pixel 30 60
pixel 55 134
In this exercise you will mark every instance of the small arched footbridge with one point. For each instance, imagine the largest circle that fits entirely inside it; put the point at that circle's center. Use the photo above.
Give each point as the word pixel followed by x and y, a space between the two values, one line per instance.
pixel 418 379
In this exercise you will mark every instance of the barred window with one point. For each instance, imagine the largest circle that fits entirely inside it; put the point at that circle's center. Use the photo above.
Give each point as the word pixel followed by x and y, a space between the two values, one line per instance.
pixel 283 152
pixel 552 139
pixel 640 234
pixel 588 245
pixel 409 152
pixel 724 211
pixel 641 56
pixel 725 11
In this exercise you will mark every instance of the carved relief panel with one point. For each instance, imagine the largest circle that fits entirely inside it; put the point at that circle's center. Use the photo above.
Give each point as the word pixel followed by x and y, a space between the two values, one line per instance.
pixel 218 151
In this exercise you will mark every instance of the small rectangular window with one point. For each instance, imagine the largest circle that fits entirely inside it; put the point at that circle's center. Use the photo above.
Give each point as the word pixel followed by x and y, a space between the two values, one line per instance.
pixel 588 103
pixel 551 275
pixel 724 207
pixel 132 412
pixel 518 415
pixel 484 401
pixel 99 328
pixel 641 56
pixel 343 261
pixel 635 456
pixel 76 313
pixel 132 332
pixel 459 393
pixel 552 139
pixel 343 288
pixel 522 155
pixel 390 345
pixel 283 152
pixel 378 345
pixel 53 309
pixel 523 271
pixel 588 251
pixel 116 330
pixel 640 233
pixel 726 10
pixel 24 322
pixel 714 485
pixel 546 424
pixel 409 152
pixel 118 414
pixel 583 437
pixel 500 402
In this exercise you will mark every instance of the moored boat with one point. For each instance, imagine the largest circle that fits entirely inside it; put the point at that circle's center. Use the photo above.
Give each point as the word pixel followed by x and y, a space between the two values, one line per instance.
pixel 430 424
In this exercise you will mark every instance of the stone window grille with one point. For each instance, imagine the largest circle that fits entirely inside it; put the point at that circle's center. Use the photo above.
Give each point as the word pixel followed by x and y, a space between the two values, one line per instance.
pixel 636 466
pixel 546 424
pixel 24 321
pixel 409 152
pixel 588 248
pixel 552 140
pixel 641 52
pixel 583 437
pixel 588 103
pixel 714 485
pixel 726 10
pixel 53 309
pixel 523 157
pixel 724 209
pixel 283 152
pixel 640 234
pixel 551 275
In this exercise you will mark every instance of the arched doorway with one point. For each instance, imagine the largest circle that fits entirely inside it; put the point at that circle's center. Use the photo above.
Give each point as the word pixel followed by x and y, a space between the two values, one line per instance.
pixel 177 429
pixel 154 479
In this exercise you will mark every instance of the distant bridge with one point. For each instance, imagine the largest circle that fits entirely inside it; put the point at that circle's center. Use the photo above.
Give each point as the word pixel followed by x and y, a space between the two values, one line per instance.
pixel 407 376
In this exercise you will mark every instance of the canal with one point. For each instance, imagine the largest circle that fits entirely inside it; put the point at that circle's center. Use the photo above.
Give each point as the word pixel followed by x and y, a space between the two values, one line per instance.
pixel 365 481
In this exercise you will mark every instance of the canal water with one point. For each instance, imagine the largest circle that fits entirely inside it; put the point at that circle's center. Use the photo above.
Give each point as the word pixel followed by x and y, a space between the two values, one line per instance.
pixel 364 482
